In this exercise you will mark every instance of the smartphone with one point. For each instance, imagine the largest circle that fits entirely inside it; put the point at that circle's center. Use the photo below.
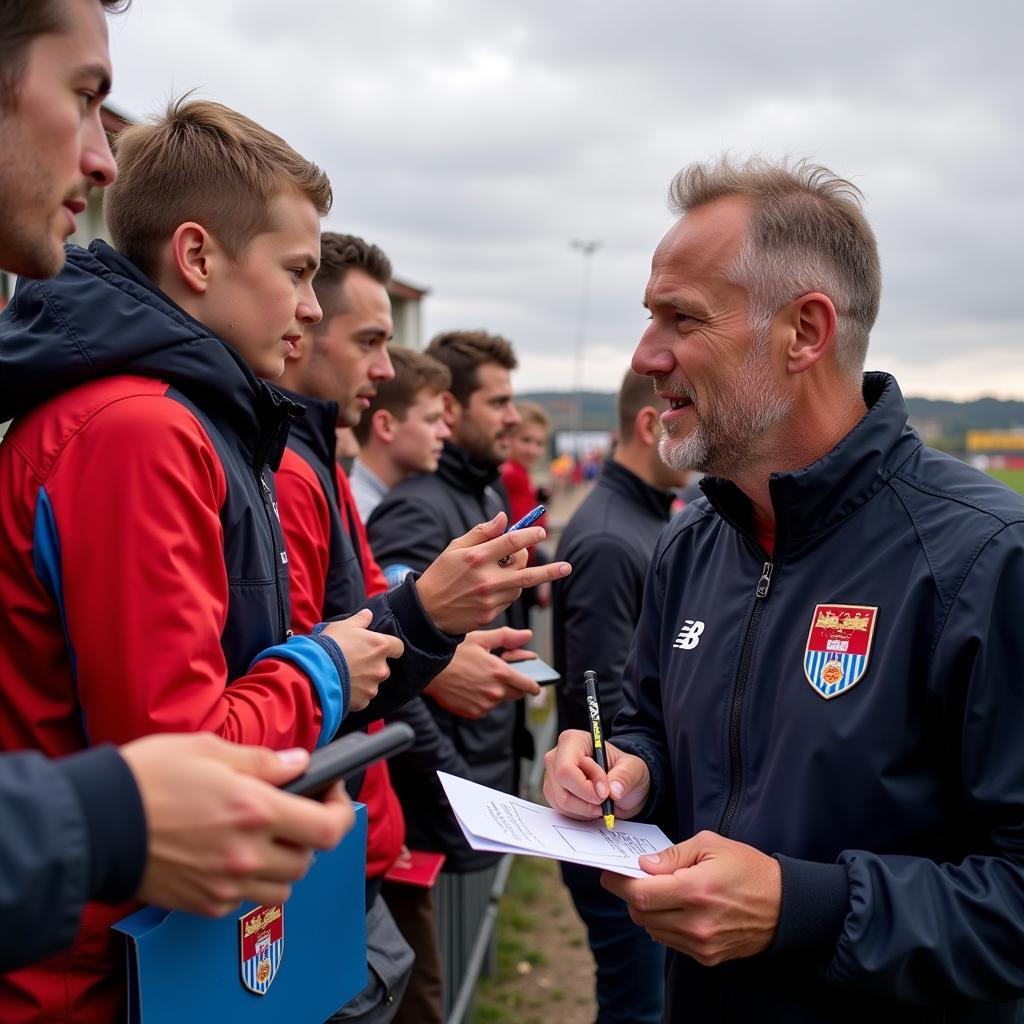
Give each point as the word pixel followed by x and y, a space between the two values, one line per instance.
pixel 539 671
pixel 349 756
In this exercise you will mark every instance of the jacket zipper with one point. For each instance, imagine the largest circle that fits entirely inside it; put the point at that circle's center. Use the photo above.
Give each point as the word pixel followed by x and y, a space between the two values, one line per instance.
pixel 763 586
pixel 285 632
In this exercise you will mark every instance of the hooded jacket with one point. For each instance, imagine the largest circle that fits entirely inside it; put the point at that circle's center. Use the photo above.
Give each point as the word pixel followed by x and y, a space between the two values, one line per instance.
pixel 143 574
pixel 408 530
pixel 332 570
pixel 852 704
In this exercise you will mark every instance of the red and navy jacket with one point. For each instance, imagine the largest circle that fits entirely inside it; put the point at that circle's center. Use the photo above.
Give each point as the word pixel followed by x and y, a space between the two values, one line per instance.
pixel 850 702
pixel 143 574
pixel 332 571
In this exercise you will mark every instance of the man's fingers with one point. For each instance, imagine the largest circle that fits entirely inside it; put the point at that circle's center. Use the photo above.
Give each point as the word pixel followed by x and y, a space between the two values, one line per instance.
pixel 481 533
pixel 393 647
pixel 273 766
pixel 512 657
pixel 519 685
pixel 502 636
pixel 682 855
pixel 537 574
pixel 309 823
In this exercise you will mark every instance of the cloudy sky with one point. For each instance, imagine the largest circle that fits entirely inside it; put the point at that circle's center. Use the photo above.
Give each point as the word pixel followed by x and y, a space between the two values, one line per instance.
pixel 473 141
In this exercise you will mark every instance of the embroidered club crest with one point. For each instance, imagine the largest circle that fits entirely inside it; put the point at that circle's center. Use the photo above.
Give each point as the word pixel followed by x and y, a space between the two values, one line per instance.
pixel 261 935
pixel 838 647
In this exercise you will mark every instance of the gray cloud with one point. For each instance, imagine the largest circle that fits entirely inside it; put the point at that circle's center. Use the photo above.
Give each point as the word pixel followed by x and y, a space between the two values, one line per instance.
pixel 474 141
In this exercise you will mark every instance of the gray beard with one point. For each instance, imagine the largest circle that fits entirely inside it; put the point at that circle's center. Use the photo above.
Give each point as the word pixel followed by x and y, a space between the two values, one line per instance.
pixel 732 428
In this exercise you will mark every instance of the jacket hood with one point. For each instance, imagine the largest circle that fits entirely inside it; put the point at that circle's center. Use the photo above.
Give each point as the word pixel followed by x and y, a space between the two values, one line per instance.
pixel 102 316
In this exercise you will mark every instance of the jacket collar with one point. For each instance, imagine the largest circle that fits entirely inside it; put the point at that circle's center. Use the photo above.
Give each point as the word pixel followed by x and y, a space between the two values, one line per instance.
pixel 815 498
pixel 615 477
pixel 102 316
pixel 458 469
pixel 315 428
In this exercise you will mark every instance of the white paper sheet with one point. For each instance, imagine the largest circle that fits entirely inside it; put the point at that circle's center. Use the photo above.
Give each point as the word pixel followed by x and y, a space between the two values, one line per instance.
pixel 494 821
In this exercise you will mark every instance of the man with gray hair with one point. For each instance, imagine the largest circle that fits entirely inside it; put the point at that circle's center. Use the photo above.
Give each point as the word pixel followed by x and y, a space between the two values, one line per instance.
pixel 822 699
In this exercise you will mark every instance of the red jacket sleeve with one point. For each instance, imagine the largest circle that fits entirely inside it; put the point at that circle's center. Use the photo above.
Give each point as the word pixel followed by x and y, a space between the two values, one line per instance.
pixel 305 520
pixel 135 497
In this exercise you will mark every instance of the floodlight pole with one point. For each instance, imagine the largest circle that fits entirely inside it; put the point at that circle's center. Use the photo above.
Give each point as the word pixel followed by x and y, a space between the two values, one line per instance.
pixel 586 248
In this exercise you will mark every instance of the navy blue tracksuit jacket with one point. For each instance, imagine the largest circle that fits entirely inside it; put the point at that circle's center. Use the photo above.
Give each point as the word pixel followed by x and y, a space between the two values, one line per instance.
pixel 854 705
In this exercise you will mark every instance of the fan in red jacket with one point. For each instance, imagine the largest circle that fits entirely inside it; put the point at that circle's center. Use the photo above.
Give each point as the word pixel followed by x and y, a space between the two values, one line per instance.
pixel 143 584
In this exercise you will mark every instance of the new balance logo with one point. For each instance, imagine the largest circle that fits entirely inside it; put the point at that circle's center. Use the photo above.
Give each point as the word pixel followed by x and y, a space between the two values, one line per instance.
pixel 689 635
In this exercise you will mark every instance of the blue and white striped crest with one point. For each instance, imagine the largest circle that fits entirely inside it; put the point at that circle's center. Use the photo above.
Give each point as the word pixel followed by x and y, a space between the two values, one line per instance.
pixel 261 932
pixel 838 647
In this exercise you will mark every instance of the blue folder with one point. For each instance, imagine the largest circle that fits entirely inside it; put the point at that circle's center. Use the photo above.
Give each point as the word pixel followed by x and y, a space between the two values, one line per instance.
pixel 297 962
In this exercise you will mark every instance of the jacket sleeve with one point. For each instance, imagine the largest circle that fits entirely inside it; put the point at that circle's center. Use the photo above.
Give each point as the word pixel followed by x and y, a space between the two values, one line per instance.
pixel 406 534
pixel 306 525
pixel 915 929
pixel 639 728
pixel 74 830
pixel 598 609
pixel 143 591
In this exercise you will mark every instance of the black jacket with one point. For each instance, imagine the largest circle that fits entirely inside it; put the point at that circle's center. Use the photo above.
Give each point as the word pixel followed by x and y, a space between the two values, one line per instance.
pixel 399 612
pixel 608 542
pixel 73 830
pixel 412 525
pixel 891 787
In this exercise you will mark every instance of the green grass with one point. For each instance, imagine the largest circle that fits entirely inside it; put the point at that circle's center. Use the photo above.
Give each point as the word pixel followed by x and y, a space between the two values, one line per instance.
pixel 522 910
pixel 1011 477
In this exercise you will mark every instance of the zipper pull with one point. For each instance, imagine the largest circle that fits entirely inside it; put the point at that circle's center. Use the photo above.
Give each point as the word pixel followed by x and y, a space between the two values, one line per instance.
pixel 264 484
pixel 765 581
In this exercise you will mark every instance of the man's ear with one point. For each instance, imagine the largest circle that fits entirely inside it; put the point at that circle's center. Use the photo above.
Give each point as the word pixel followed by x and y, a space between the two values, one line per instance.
pixel 192 255
pixel 648 426
pixel 382 425
pixel 452 408
pixel 810 325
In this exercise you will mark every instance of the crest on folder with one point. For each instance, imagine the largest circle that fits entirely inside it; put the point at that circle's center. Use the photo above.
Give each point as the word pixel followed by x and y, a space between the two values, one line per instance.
pixel 261 938
pixel 838 647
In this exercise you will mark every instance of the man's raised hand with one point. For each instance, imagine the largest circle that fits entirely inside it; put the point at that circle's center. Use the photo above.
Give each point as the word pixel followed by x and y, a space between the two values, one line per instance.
pixel 575 785
pixel 464 588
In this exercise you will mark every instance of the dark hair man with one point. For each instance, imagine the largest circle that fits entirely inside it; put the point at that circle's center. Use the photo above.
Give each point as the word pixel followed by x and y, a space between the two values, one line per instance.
pixel 609 541
pixel 76 828
pixel 407 529
pixel 403 429
pixel 334 370
pixel 822 698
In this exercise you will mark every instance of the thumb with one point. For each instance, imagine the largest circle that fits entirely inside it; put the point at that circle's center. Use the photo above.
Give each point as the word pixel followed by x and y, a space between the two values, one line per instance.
pixel 363 618
pixel 273 766
pixel 481 533
pixel 682 855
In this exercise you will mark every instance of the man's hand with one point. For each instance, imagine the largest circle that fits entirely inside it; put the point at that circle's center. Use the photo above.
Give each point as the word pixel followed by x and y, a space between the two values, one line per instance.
pixel 366 653
pixel 220 831
pixel 711 898
pixel 476 680
pixel 575 786
pixel 464 588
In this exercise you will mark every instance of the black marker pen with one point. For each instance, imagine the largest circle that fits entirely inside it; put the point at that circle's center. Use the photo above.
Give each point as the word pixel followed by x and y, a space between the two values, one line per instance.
pixel 594 709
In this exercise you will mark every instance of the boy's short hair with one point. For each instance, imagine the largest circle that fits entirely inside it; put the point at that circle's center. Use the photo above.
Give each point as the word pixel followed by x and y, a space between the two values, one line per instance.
pixel 533 413
pixel 338 255
pixel 207 163
pixel 464 352
pixel 21 22
pixel 414 372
